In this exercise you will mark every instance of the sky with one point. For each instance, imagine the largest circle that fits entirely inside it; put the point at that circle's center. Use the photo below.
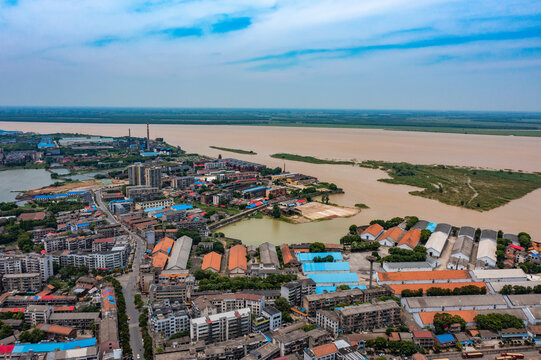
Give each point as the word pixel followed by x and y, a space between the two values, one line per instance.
pixel 339 54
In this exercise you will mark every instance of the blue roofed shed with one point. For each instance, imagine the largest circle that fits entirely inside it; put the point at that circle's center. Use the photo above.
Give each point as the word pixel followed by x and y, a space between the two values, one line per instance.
pixel 338 267
pixel 309 257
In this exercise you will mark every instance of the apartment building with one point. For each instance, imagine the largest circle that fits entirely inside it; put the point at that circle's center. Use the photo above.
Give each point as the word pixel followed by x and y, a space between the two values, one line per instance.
pixel 220 327
pixel 29 263
pixel 168 319
pixel 78 320
pixel 154 204
pixel 362 317
pixel 168 292
pixel 230 302
pixel 28 282
pixel 294 291
pixel 314 302
pixel 37 314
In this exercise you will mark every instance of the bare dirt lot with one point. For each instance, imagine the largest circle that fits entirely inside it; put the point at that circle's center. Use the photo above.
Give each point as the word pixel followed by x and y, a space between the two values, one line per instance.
pixel 318 211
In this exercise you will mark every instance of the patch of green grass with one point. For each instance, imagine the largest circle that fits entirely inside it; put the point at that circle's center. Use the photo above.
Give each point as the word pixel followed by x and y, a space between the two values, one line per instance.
pixel 362 206
pixel 311 159
pixel 238 151
pixel 465 187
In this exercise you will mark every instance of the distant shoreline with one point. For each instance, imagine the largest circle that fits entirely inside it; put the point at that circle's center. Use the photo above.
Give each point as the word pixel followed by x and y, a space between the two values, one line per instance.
pixel 455 122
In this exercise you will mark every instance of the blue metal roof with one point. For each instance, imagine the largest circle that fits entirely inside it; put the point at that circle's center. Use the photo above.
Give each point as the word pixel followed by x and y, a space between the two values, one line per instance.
pixel 56 196
pixel 155 209
pixel 120 201
pixel 322 289
pixel 255 189
pixel 325 266
pixel 182 207
pixel 431 226
pixel 76 192
pixel 443 338
pixel 334 278
pixel 308 257
pixel 46 347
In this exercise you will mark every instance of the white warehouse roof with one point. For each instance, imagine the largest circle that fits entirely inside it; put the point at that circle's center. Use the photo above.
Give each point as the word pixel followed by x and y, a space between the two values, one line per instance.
pixel 487 250
pixel 437 241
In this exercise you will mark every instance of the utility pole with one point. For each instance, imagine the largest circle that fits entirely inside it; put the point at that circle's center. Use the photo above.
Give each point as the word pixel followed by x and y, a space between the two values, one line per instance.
pixel 148 136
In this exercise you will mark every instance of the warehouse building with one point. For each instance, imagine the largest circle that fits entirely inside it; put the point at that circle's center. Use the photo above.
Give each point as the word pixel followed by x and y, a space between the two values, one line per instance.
pixel 453 303
pixel 420 277
pixel 332 267
pixel 436 242
pixel 486 254
pixel 180 254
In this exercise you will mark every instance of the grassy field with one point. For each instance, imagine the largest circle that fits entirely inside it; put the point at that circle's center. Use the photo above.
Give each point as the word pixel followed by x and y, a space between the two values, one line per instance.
pixel 465 187
pixel 311 159
pixel 463 122
pixel 238 151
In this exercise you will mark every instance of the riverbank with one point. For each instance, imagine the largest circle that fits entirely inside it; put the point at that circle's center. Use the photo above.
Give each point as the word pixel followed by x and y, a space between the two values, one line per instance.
pixel 360 184
pixel 237 151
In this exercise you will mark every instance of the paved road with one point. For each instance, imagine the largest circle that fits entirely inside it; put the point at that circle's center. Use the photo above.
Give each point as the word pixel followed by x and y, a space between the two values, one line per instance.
pixel 129 282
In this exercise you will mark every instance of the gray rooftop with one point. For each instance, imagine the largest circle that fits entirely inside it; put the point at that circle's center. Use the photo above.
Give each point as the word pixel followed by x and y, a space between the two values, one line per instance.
pixel 525 300
pixel 489 234
pixel 467 231
pixel 463 245
pixel 444 228
pixel 463 300
pixel 181 253
pixel 421 225
pixel 367 307
pixel 268 255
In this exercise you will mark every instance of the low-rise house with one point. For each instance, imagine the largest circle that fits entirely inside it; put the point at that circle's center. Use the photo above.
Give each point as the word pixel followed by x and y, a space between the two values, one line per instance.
pixel 57 332
pixel 371 233
pixel 321 352
pixel 423 338
pixel 445 340
pixel 391 237
pixel 212 261
pixel 410 239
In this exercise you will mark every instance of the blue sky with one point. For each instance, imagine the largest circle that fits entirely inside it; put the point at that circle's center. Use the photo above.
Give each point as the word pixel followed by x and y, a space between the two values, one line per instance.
pixel 356 54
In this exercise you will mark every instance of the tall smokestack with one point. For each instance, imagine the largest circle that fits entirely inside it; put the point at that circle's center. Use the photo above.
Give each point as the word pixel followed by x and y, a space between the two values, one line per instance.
pixel 129 133
pixel 371 258
pixel 148 137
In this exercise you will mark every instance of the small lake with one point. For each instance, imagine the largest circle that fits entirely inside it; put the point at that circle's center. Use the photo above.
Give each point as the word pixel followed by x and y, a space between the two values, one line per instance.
pixel 22 179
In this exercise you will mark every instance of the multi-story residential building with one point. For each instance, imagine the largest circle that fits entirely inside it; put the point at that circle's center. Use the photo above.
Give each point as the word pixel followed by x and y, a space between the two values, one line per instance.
pixel 27 282
pixel 10 265
pixel 39 263
pixel 221 327
pixel 294 291
pixel 37 314
pixel 22 301
pixel 274 316
pixel 143 192
pixel 293 340
pixel 182 182
pixel 136 174
pixel 78 320
pixel 328 320
pixel 314 302
pixel 236 301
pixel 153 177
pixel 168 319
pixel 169 292
pixel 29 263
pixel 361 317
pixel 154 204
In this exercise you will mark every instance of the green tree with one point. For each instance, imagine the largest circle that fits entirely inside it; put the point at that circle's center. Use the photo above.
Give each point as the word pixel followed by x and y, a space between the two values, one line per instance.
pixel 317 247
pixel 353 230
pixel 425 234
pixel 325 198
pixel 276 213
pixel 282 304
pixel 5 330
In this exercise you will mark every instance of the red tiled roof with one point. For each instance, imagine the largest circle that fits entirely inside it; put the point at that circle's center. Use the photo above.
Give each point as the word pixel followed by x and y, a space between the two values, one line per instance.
pixel 411 238
pixel 427 317
pixel 237 257
pixel 423 275
pixel 212 260
pixel 325 349
pixel 393 234
pixel 422 334
pixel 373 230
pixel 165 245
pixel 286 254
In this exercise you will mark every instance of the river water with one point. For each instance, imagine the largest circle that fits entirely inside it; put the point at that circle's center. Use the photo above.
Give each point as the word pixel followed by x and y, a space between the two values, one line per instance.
pixel 360 184
pixel 20 180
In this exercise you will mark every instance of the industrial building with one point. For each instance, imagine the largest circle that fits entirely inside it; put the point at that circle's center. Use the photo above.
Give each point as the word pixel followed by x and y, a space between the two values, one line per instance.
pixel 436 242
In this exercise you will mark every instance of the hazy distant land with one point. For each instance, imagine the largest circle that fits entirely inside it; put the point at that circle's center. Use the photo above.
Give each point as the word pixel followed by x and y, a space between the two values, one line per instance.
pixel 488 123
